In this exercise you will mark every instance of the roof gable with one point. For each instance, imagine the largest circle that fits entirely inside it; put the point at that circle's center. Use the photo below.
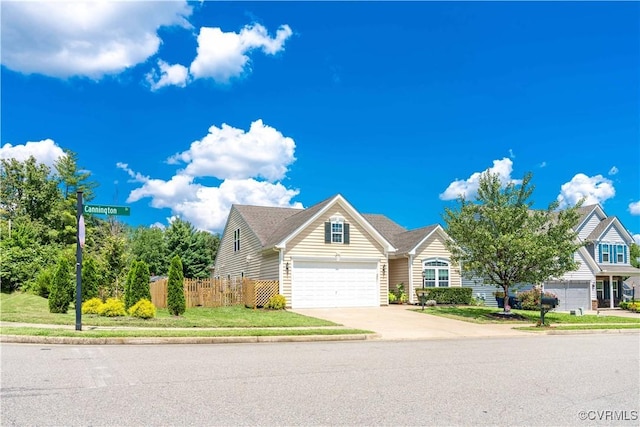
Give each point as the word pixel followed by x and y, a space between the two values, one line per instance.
pixel 585 212
pixel 298 222
pixel 604 225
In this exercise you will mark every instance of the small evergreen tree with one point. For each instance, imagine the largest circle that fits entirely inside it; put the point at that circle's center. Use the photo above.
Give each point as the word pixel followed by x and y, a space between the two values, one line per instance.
pixel 128 286
pixel 140 285
pixel 91 278
pixel 61 294
pixel 175 298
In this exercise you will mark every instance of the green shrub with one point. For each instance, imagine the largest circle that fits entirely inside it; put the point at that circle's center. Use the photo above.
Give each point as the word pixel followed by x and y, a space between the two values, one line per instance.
pixel 92 306
pixel 42 285
pixel 143 309
pixel 400 294
pixel 91 278
pixel 112 308
pixel 392 298
pixel 624 305
pixel 634 306
pixel 276 302
pixel 530 300
pixel 175 288
pixel 62 287
pixel 460 296
pixel 128 285
pixel 478 302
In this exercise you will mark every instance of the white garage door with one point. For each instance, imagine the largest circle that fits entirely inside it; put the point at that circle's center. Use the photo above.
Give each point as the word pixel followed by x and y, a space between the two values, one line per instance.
pixel 334 284
pixel 571 295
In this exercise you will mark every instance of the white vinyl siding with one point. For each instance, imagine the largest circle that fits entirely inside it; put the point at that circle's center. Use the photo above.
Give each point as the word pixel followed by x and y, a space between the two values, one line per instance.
pixel 269 266
pixel 310 244
pixel 590 225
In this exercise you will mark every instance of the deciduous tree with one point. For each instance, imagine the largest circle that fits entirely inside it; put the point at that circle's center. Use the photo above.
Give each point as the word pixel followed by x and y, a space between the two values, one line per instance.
pixel 500 238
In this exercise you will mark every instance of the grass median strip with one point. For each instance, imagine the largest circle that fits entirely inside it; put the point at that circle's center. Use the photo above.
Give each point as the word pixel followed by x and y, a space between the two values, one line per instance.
pixel 166 333
pixel 487 315
pixel 580 327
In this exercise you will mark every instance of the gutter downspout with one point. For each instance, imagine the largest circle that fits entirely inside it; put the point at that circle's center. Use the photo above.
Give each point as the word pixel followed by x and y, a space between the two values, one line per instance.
pixel 411 290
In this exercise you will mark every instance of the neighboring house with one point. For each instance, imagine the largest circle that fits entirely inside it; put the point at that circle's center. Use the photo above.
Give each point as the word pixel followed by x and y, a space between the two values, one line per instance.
pixel 604 263
pixel 330 255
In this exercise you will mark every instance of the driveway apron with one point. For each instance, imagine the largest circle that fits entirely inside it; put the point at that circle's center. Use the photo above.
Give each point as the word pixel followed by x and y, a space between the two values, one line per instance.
pixel 400 322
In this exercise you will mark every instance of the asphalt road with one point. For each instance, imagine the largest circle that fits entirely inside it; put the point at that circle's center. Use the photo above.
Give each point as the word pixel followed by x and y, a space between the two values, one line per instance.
pixel 541 380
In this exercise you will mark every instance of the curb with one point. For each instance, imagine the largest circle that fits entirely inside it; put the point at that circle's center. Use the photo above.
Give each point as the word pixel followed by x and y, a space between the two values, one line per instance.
pixel 30 339
pixel 592 331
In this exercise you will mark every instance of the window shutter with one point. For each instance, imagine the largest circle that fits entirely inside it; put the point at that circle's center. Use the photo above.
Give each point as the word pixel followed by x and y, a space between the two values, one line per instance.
pixel 599 252
pixel 327 232
pixel 346 234
pixel 615 253
pixel 625 254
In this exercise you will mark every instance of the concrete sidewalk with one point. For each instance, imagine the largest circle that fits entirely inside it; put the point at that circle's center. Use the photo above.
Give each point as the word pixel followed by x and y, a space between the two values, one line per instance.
pixel 399 322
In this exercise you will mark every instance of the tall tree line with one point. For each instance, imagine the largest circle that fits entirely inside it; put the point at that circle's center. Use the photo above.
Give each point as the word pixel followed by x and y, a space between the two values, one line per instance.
pixel 38 226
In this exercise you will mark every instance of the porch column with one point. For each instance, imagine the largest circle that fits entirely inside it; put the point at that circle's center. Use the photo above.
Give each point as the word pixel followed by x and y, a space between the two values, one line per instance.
pixel 610 291
pixel 411 289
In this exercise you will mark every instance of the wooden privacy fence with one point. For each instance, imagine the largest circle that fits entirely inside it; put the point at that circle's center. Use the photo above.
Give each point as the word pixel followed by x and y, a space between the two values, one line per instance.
pixel 217 292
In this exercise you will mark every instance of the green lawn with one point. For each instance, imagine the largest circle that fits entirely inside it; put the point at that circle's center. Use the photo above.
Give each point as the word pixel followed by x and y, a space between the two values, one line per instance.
pixel 27 308
pixel 483 315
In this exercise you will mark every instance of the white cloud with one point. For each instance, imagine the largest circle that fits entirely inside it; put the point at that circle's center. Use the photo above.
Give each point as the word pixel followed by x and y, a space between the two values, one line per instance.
pixel 45 151
pixel 513 156
pixel 469 187
pixel 222 56
pixel 636 238
pixel 595 189
pixel 231 153
pixel 169 75
pixel 634 208
pixel 613 170
pixel 543 165
pixel 87 38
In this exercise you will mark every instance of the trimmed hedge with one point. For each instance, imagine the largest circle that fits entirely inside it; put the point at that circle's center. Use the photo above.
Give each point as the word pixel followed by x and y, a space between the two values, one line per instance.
pixel 460 296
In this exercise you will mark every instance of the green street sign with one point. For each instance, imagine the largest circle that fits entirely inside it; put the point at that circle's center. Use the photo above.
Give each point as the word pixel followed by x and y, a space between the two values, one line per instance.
pixel 107 210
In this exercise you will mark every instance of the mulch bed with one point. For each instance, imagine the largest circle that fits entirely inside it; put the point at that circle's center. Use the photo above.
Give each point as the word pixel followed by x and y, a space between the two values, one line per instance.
pixel 507 317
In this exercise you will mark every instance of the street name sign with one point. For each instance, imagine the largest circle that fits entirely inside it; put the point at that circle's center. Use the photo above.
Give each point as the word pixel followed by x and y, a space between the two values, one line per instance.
pixel 107 210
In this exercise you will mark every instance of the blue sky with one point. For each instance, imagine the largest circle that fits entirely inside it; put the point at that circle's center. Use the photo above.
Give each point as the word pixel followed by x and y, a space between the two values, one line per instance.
pixel 182 109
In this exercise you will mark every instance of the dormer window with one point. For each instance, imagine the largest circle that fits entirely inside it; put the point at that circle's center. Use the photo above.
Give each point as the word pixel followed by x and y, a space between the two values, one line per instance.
pixel 336 231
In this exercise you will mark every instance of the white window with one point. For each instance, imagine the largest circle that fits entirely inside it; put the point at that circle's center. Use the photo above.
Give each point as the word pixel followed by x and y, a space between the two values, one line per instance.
pixel 615 289
pixel 600 289
pixel 337 230
pixel 436 273
pixel 236 240
pixel 620 254
pixel 605 253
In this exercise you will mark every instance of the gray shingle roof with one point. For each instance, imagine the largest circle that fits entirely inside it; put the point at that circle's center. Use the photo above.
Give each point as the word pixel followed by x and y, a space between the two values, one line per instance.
pixel 384 225
pixel 408 240
pixel 272 225
pixel 402 239
pixel 263 220
pixel 601 227
pixel 293 222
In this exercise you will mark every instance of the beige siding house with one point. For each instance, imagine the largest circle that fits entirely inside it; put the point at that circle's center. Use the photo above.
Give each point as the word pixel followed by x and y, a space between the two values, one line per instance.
pixel 330 255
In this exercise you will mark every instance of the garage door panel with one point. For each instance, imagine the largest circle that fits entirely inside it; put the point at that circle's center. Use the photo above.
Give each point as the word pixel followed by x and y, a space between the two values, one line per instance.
pixel 334 284
pixel 571 295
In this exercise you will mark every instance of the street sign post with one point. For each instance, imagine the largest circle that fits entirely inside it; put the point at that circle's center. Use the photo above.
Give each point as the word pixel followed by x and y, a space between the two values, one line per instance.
pixel 107 210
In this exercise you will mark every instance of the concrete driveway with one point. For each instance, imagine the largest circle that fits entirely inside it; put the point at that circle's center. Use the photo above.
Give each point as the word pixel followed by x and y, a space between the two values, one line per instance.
pixel 398 322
